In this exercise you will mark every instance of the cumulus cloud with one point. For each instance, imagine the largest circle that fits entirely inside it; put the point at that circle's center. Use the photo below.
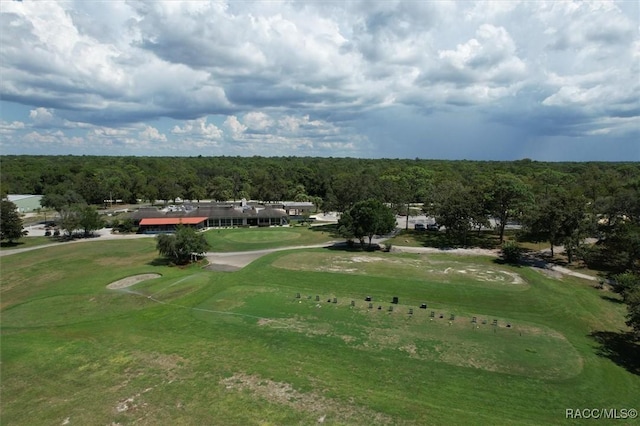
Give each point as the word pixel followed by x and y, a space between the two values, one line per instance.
pixel 198 128
pixel 7 128
pixel 257 121
pixel 482 69
pixel 41 115
pixel 152 134
pixel 236 129
pixel 308 77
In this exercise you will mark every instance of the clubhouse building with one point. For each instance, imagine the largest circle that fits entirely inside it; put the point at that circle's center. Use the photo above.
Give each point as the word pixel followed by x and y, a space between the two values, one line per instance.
pixel 152 220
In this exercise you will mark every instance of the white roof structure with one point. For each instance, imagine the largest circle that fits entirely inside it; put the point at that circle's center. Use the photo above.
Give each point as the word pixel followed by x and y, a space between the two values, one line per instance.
pixel 18 197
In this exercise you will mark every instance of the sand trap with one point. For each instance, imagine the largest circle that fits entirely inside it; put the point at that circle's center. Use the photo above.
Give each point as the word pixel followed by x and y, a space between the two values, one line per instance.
pixel 129 281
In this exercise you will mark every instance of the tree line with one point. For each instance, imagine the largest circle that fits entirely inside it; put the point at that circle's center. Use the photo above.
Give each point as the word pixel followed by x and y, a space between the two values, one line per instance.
pixel 338 182
pixel 560 203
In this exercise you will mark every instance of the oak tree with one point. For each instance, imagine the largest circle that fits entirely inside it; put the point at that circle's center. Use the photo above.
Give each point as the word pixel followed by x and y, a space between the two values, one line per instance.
pixel 366 219
pixel 183 246
pixel 10 222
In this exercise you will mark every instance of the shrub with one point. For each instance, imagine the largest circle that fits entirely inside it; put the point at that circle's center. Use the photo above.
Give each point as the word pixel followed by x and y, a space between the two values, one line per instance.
pixel 125 226
pixel 511 252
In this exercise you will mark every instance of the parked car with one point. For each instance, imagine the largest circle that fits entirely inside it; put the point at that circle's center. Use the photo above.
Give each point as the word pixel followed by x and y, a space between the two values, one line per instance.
pixel 419 227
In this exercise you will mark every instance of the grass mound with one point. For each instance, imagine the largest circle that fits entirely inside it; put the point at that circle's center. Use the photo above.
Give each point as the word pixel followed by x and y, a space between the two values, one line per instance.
pixel 246 239
pixel 407 266
pixel 512 347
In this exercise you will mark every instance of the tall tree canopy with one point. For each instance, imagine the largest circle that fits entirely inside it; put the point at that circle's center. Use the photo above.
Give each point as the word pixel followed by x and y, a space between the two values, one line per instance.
pixel 454 206
pixel 507 196
pixel 89 219
pixel 619 224
pixel 183 246
pixel 366 219
pixel 10 221
pixel 628 285
pixel 559 218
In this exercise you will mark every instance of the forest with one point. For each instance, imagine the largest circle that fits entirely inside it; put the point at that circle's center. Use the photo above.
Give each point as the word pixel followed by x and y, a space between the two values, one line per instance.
pixel 338 182
pixel 559 203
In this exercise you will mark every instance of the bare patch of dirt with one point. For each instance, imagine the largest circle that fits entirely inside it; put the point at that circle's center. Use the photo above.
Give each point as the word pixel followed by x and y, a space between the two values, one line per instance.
pixel 410 348
pixel 366 259
pixel 347 339
pixel 516 278
pixel 297 325
pixel 421 268
pixel 129 281
pixel 485 274
pixel 162 361
pixel 130 404
pixel 335 269
pixel 324 408
pixel 459 251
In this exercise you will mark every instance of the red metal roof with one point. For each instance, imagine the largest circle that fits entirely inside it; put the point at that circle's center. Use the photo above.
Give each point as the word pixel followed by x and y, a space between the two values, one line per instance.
pixel 172 220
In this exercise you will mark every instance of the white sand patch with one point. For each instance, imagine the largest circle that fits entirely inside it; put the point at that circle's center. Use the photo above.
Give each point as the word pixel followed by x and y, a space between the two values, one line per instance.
pixel 517 279
pixel 336 269
pixel 487 275
pixel 129 281
pixel 366 259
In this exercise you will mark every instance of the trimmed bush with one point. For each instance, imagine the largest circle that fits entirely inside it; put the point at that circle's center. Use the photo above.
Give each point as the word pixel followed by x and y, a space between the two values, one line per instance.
pixel 511 252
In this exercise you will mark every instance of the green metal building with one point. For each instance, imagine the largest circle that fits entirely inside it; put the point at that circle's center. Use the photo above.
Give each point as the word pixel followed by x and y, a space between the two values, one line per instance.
pixel 26 203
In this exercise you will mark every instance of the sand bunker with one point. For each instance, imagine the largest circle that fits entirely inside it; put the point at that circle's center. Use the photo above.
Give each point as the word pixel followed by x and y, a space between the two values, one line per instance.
pixel 129 281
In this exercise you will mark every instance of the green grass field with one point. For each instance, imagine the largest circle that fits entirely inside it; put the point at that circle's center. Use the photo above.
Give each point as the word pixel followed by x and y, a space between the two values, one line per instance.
pixel 412 238
pixel 27 242
pixel 246 239
pixel 203 347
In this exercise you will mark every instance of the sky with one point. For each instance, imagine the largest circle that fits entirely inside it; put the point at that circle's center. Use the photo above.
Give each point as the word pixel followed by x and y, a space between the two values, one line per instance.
pixel 486 80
